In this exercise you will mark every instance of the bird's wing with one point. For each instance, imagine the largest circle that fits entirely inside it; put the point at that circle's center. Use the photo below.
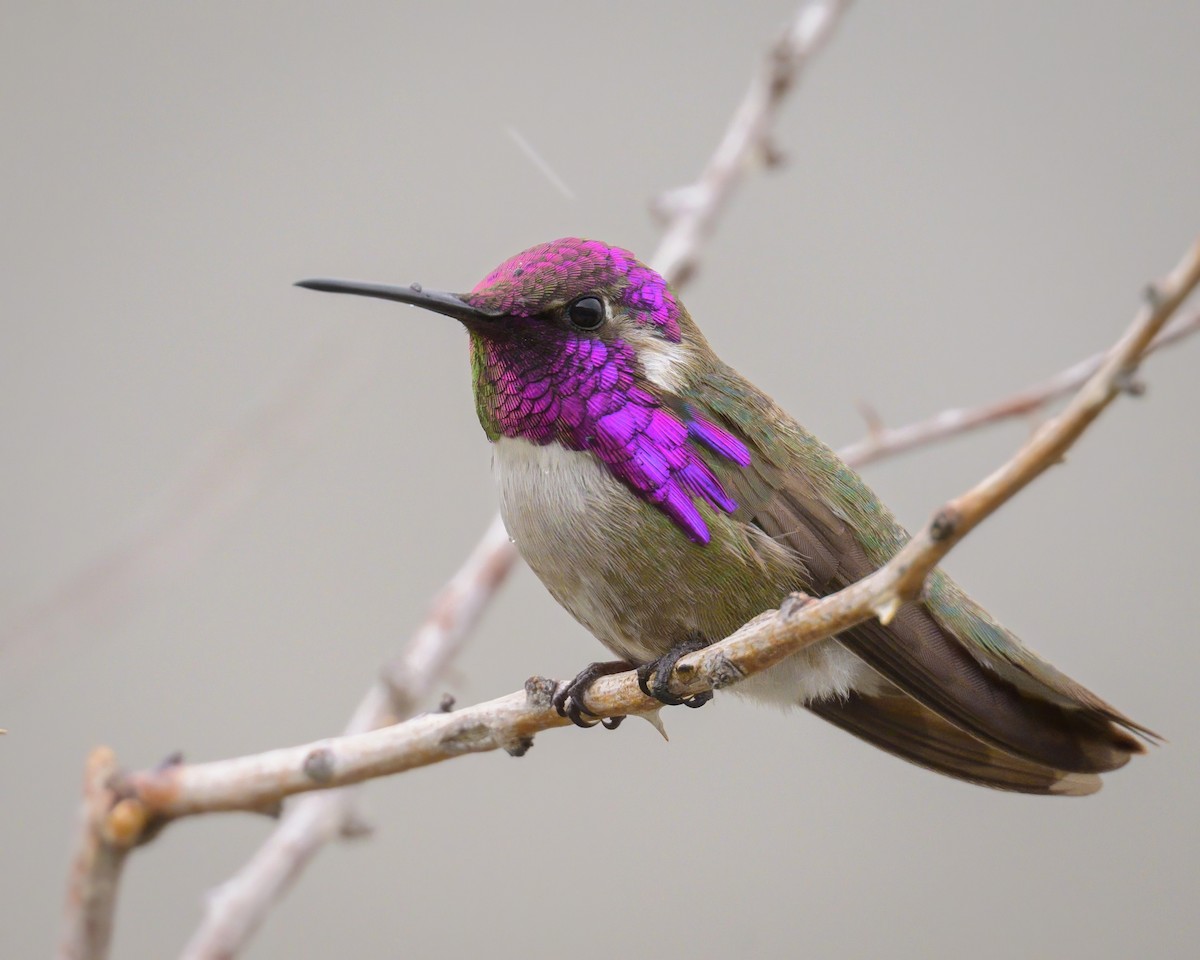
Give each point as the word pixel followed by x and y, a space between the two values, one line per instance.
pixel 895 722
pixel 945 651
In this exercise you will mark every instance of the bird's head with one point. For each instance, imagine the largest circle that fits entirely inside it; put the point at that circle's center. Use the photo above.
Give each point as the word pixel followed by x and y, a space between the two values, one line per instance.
pixel 578 343
pixel 561 323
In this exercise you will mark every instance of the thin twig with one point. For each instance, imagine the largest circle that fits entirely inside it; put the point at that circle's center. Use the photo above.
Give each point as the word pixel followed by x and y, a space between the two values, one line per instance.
pixel 510 722
pixel 692 211
pixel 882 441
pixel 221 477
pixel 96 868
pixel 236 909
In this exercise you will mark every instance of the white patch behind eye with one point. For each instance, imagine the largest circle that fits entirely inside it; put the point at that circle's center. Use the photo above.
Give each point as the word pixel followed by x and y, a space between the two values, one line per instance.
pixel 663 363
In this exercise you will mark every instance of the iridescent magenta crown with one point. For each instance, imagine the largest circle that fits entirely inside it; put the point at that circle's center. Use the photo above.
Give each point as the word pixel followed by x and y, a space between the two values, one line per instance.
pixel 552 273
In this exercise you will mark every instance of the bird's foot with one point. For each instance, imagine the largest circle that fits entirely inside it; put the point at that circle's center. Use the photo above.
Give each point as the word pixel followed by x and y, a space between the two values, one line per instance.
pixel 568 698
pixel 660 670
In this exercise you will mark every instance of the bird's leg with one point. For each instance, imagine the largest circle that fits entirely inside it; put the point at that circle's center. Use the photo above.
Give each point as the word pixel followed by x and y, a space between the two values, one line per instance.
pixel 660 670
pixel 568 698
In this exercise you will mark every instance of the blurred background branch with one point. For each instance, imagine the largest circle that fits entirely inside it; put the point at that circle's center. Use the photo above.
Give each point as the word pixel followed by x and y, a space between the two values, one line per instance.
pixel 882 441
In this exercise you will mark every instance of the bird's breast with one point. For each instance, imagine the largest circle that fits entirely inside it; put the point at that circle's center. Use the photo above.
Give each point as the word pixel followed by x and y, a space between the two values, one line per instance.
pixel 567 515
pixel 629 575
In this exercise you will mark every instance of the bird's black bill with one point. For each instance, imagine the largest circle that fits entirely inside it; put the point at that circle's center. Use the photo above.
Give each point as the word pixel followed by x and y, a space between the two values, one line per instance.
pixel 447 304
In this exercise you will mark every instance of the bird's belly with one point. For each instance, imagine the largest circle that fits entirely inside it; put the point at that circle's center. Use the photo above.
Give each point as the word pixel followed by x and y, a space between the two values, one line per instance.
pixel 628 574
pixel 573 523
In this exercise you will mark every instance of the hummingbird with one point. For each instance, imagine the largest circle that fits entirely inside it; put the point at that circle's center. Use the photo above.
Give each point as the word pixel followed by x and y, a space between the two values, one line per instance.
pixel 664 501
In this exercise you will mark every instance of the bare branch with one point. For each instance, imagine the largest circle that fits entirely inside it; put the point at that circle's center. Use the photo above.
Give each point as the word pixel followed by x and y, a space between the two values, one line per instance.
pixel 261 780
pixel 881 441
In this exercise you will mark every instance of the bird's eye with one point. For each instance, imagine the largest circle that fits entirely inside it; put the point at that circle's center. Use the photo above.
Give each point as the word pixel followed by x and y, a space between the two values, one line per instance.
pixel 586 313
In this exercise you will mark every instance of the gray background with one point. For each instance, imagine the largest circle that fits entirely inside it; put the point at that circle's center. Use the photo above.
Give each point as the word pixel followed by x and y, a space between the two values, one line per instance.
pixel 975 195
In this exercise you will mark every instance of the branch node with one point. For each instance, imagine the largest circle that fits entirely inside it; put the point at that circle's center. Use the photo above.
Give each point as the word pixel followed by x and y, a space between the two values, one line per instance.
pixel 1152 296
pixel 318 765
pixel 518 747
pixel 539 692
pixel 446 704
pixel 1128 383
pixel 793 603
pixel 125 823
pixel 723 672
pixel 944 523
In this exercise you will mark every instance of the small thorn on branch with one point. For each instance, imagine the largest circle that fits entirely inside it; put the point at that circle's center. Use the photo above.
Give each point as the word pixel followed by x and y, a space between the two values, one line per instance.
pixel 887 608
pixel 654 718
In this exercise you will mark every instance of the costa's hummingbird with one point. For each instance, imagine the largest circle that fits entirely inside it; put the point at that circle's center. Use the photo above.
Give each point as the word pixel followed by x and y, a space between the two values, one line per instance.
pixel 664 501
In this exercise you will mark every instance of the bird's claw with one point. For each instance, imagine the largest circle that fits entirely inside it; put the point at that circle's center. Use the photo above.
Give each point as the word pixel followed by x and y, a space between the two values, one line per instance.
pixel 568 696
pixel 654 678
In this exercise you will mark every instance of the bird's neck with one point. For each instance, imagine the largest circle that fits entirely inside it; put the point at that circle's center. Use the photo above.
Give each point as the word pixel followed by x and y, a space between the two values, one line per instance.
pixel 591 396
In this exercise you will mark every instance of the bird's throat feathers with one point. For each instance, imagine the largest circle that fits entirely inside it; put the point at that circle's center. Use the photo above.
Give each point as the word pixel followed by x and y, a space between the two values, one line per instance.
pixel 596 397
